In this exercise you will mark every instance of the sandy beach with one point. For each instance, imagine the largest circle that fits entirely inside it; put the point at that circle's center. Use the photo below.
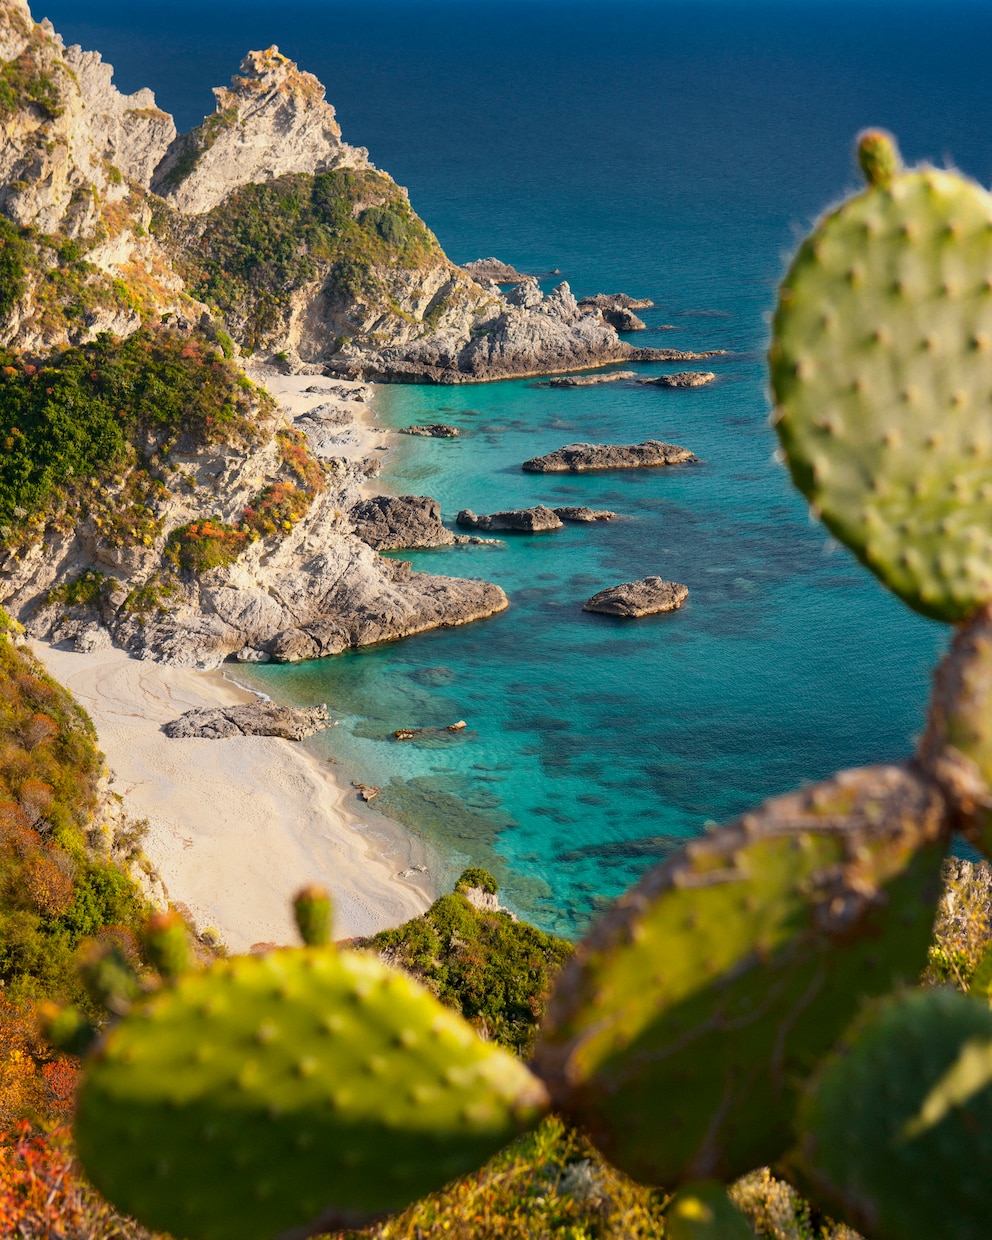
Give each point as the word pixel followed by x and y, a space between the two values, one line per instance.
pixel 236 826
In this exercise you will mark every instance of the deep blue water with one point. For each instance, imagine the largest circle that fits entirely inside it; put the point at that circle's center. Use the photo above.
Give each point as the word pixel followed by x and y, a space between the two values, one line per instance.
pixel 676 151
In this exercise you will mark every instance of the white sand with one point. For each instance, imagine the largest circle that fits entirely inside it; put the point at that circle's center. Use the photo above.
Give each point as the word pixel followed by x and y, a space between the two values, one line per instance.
pixel 237 826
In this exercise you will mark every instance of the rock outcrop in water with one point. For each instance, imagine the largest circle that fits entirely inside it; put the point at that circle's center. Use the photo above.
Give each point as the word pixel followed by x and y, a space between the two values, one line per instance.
pixel 639 598
pixel 584 515
pixel 292 723
pixel 494 271
pixel 432 430
pixel 618 310
pixel 579 457
pixel 536 520
pixel 682 379
pixel 400 522
pixel 574 381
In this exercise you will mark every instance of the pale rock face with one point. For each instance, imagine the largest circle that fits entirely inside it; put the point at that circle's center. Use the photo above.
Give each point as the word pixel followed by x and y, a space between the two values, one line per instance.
pixel 272 120
pixel 100 139
pixel 16 24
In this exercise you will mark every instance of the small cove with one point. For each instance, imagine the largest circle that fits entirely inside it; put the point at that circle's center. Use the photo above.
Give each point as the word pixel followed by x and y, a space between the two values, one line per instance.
pixel 672 150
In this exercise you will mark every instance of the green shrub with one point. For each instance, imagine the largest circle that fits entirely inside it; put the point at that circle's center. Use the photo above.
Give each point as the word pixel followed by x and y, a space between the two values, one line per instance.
pixel 267 240
pixel 494 970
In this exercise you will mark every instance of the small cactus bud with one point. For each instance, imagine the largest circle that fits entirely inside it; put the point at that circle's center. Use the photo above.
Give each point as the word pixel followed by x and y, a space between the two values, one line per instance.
pixel 312 908
pixel 878 157
pixel 167 945
pixel 108 977
pixel 67 1029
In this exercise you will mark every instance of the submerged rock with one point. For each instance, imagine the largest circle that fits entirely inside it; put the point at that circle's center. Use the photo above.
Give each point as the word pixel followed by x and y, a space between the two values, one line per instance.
pixel 400 522
pixel 570 381
pixel 577 457
pixel 254 719
pixel 432 430
pixel 639 598
pixel 523 520
pixel 584 514
pixel 682 379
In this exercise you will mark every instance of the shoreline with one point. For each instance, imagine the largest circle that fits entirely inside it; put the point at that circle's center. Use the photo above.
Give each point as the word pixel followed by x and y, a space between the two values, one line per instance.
pixel 237 826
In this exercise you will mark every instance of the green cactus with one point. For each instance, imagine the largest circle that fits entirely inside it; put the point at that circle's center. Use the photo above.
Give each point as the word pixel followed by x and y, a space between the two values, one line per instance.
pixel 880 369
pixel 896 1128
pixel 703 1211
pixel 312 909
pixel 167 944
pixel 682 1027
pixel 267 1092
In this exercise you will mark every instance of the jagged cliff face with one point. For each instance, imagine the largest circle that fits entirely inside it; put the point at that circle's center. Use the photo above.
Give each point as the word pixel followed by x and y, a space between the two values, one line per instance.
pixel 272 120
pixel 262 217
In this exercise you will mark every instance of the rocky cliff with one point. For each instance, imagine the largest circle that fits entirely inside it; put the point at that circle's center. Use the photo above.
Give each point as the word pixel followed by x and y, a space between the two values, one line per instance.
pixel 261 220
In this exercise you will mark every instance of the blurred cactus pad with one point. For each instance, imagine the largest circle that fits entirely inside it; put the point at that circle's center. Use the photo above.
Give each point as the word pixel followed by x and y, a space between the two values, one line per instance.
pixel 268 1092
pixel 881 369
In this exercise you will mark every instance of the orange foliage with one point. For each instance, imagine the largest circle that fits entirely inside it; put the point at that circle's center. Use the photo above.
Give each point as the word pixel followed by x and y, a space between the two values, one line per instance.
pixel 35 798
pixel 47 887
pixel 39 728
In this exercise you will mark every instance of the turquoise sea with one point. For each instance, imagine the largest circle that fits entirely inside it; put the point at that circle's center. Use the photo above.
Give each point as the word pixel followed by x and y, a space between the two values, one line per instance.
pixel 674 151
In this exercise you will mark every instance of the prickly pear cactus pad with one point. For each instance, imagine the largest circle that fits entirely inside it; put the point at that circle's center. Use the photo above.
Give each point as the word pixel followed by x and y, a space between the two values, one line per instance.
pixel 268 1092
pixel 881 368
pixel 896 1129
pixel 681 1028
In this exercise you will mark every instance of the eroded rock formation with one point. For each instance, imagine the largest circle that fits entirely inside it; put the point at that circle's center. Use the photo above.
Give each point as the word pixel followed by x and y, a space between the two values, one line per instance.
pixel 578 457
pixel 648 597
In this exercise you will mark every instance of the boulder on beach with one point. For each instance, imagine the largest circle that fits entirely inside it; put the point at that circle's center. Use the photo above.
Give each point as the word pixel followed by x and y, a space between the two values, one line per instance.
pixel 521 520
pixel 639 598
pixel 400 522
pixel 681 379
pixel 253 719
pixel 577 457
pixel 584 514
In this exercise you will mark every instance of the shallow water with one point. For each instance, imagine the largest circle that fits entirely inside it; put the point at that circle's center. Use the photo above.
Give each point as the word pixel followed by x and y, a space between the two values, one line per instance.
pixel 675 151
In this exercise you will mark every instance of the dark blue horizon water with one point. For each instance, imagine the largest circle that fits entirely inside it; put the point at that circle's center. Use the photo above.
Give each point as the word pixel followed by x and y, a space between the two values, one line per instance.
pixel 672 150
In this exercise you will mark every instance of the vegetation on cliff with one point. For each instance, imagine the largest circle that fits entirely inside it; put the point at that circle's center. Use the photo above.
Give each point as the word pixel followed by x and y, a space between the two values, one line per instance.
pixel 266 241
pixel 494 970
pixel 111 406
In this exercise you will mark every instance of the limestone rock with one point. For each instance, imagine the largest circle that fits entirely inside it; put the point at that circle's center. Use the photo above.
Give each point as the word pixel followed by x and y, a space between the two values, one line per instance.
pixel 618 310
pixel 571 381
pixel 272 120
pixel 617 301
pixel 521 520
pixel 432 430
pixel 682 379
pixel 584 514
pixel 413 605
pixel 254 719
pixel 639 598
pixel 483 269
pixel 578 457
pixel 400 522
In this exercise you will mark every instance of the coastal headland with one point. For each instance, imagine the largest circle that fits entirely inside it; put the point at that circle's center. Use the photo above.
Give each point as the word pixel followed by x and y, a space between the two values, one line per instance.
pixel 189 326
